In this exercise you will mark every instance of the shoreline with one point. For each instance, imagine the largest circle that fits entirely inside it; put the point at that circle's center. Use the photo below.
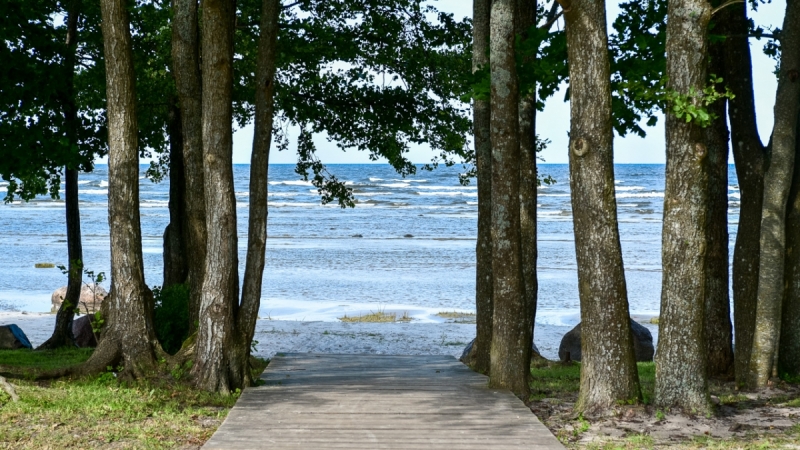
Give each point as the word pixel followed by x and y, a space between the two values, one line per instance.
pixel 316 336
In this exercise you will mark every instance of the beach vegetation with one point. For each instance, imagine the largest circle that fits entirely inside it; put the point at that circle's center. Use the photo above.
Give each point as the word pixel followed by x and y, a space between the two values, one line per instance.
pixel 102 410
pixel 171 316
pixel 44 265
pixel 379 316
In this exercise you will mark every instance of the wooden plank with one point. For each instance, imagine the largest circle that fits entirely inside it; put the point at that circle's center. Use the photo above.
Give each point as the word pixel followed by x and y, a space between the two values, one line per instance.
pixel 377 402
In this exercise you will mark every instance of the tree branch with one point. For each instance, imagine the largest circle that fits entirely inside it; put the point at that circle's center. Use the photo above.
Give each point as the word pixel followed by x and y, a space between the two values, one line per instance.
pixel 566 5
pixel 9 389
pixel 728 3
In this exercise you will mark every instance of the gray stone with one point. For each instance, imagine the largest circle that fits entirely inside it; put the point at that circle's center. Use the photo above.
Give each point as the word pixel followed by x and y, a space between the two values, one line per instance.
pixel 12 337
pixel 91 298
pixel 82 330
pixel 642 343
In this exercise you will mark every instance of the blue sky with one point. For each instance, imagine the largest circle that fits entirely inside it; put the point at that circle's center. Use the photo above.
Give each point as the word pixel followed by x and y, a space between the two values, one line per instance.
pixel 553 123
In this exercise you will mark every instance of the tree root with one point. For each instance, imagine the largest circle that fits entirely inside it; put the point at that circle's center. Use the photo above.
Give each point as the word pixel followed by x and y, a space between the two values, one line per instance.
pixel 9 389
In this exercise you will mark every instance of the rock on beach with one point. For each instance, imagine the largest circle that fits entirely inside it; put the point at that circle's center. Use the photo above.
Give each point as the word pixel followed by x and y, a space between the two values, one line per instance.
pixel 91 298
pixel 642 343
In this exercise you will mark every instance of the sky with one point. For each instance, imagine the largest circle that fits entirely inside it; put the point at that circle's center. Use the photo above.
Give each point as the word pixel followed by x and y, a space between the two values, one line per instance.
pixel 553 123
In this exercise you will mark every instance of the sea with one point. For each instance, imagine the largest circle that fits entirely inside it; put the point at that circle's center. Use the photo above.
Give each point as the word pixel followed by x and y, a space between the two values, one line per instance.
pixel 408 246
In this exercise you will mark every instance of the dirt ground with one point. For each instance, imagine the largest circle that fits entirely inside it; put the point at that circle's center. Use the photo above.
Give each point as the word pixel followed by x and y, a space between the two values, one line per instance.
pixel 764 420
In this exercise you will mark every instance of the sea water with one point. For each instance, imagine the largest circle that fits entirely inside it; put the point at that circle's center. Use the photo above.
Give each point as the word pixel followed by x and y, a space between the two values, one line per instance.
pixel 407 247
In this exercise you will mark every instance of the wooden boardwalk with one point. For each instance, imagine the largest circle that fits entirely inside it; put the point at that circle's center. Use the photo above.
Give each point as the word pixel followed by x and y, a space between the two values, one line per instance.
pixel 315 401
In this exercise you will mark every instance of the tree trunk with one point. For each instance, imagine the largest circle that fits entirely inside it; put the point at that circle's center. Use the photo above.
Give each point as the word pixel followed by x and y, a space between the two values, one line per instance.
pixel 719 338
pixel 776 192
pixel 220 290
pixel 481 115
pixel 259 171
pixel 511 324
pixel 175 262
pixel 62 334
pixel 748 154
pixel 186 68
pixel 608 362
pixel 526 18
pixel 681 363
pixel 789 347
pixel 128 337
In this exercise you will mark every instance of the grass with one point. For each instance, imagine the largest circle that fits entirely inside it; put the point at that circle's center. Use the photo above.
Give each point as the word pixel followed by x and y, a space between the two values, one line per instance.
pixel 377 317
pixel 101 411
pixel 457 317
pixel 44 265
pixel 557 380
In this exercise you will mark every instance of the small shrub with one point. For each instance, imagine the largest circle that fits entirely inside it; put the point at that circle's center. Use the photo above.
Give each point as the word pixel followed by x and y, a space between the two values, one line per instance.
pixel 171 316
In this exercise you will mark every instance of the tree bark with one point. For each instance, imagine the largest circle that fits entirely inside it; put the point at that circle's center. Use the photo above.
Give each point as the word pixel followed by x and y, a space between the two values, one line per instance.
pixel 776 192
pixel 719 337
pixel 62 334
pixel 749 156
pixel 511 326
pixel 526 13
pixel 175 238
pixel 186 68
pixel 608 362
pixel 220 290
pixel 789 347
pixel 128 336
pixel 481 116
pixel 681 363
pixel 259 171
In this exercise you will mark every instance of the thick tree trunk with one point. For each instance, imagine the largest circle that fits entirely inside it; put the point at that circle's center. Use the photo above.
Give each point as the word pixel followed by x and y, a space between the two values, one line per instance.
pixel 220 290
pixel 62 334
pixel 259 165
pixel 481 115
pixel 681 363
pixel 789 347
pixel 776 193
pixel 186 67
pixel 175 262
pixel 608 364
pixel 526 18
pixel 719 338
pixel 748 154
pixel 128 335
pixel 511 324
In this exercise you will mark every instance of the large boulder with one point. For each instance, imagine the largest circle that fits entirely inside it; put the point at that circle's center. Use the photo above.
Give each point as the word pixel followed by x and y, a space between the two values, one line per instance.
pixel 12 337
pixel 642 343
pixel 465 355
pixel 82 331
pixel 91 298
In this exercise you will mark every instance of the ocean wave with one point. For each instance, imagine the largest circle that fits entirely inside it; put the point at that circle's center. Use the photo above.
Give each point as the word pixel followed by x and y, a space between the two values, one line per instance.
pixel 553 195
pixel 409 181
pixel 373 179
pixel 291 204
pixel 471 203
pixel 448 194
pixel 395 185
pixel 3 189
pixel 735 195
pixel 103 183
pixel 630 188
pixel 93 191
pixel 448 188
pixel 641 195
pixel 291 183
pixel 733 187
pixel 371 194
pixel 243 194
pixel 284 194
pixel 79 182
pixel 155 204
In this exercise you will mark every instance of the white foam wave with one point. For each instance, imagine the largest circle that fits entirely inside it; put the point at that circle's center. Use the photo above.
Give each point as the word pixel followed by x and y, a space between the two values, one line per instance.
pixel 630 188
pixel 395 185
pixel 735 195
pixel 553 195
pixel 373 179
pixel 371 194
pixel 641 195
pixel 243 194
pixel 411 181
pixel 94 191
pixel 155 204
pixel 283 194
pixel 79 182
pixel 472 203
pixel 290 204
pixel 448 194
pixel 448 188
pixel 291 183
pixel 103 183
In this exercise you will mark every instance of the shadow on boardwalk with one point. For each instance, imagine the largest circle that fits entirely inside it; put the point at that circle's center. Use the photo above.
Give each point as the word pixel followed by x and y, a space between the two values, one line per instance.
pixel 314 401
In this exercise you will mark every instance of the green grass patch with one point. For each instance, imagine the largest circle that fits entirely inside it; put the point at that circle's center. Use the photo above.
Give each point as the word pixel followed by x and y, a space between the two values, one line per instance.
pixel 377 317
pixel 101 411
pixel 562 381
pixel 457 317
